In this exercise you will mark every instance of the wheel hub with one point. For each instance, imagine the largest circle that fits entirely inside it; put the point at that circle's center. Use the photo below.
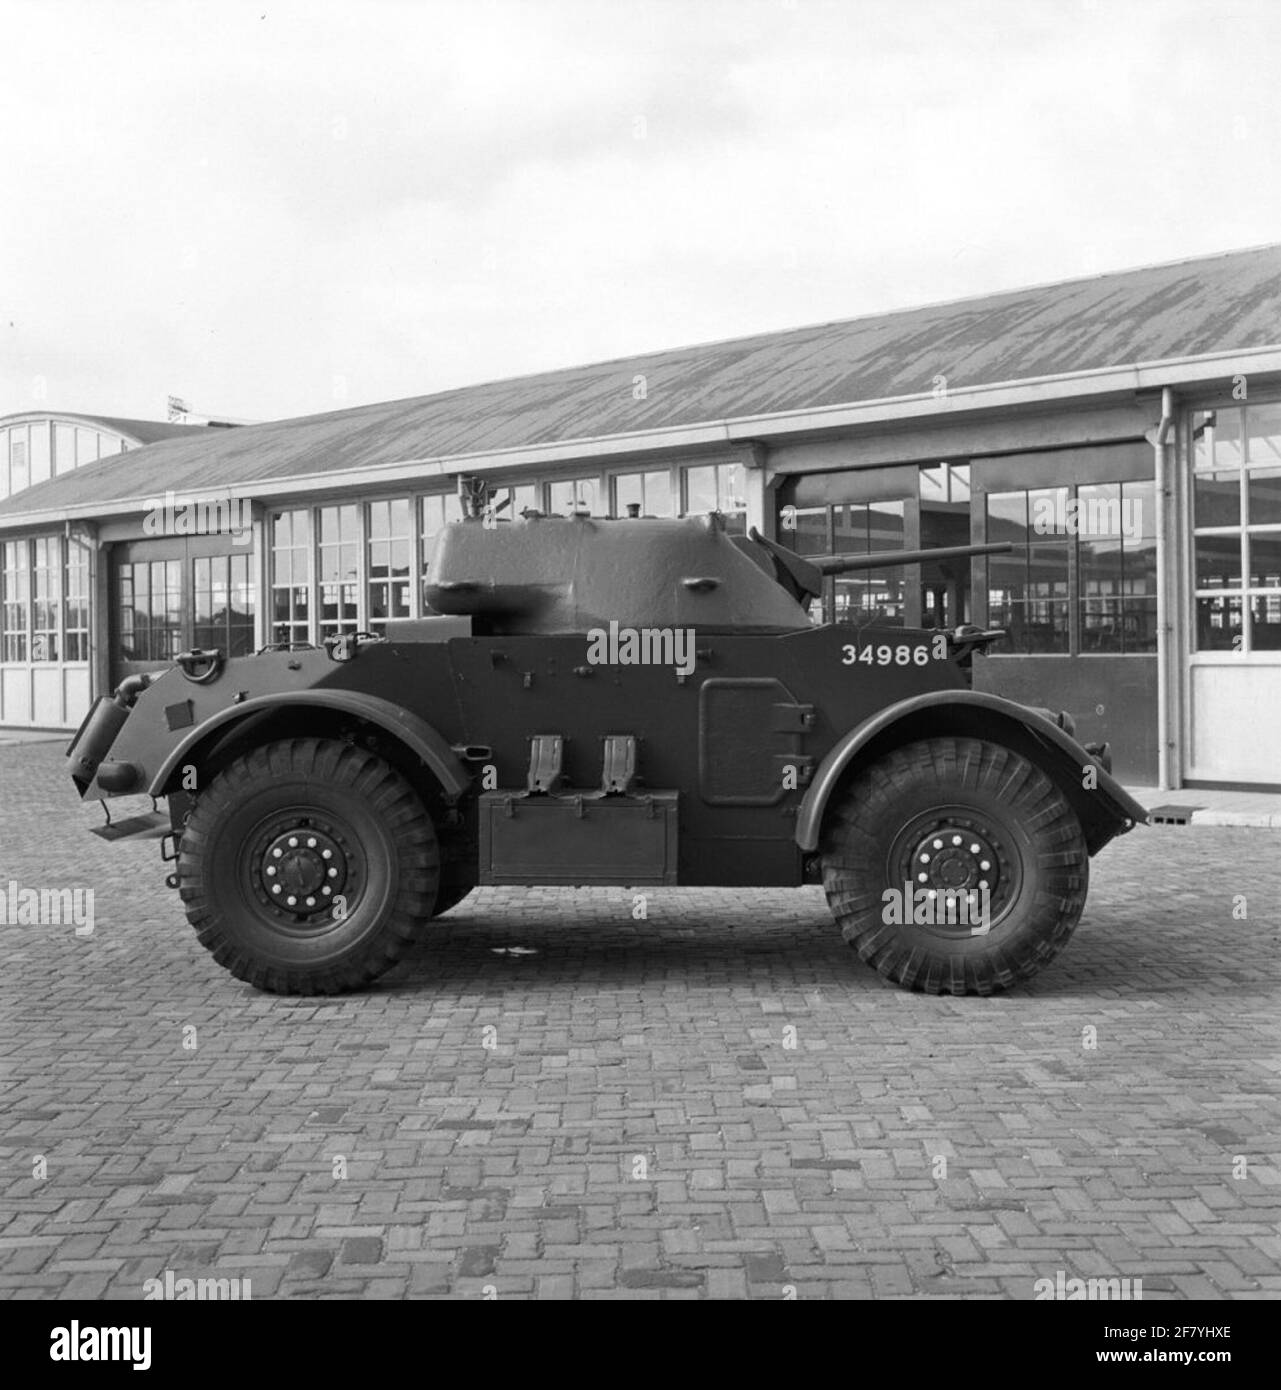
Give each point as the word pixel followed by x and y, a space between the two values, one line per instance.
pixel 300 866
pixel 956 859
pixel 957 870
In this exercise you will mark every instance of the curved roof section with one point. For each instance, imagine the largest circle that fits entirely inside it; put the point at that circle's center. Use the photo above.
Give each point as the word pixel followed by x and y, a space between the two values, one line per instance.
pixel 1191 308
pixel 140 431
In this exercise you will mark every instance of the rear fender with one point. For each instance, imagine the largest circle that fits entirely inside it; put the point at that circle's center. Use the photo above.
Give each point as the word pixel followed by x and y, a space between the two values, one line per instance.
pixel 1105 810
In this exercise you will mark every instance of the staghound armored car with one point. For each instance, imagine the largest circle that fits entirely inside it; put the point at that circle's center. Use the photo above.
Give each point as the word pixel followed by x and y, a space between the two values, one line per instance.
pixel 608 701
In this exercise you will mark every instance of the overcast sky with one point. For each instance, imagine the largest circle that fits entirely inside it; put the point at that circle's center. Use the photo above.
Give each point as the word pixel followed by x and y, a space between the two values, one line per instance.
pixel 273 210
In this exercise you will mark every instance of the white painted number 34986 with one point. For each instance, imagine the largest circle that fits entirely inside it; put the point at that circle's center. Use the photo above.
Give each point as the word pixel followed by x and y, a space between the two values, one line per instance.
pixel 887 655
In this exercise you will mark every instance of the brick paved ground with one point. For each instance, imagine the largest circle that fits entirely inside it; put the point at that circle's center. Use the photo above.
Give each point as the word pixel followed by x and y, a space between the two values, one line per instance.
pixel 640 1126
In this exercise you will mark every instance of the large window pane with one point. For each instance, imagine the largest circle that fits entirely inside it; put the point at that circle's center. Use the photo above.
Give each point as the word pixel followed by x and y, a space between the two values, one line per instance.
pixel 388 561
pixel 1264 501
pixel 19 475
pixel 1218 562
pixel 1007 517
pixel 1140 569
pixel 15 598
pixel 1263 435
pixel 1047 511
pixel 1218 623
pixel 46 586
pixel 804 530
pixel 876 596
pixel 1047 571
pixel 1228 448
pixel 1265 622
pixel 1138 510
pixel 1101 568
pixel 338 558
pixel 700 490
pixel 76 609
pixel 885 526
pixel 849 529
pixel 650 491
pixel 39 453
pixel 1098 511
pixel 1265 560
pixel 64 448
pixel 569 495
pixel 290 605
pixel 1216 499
pixel 86 446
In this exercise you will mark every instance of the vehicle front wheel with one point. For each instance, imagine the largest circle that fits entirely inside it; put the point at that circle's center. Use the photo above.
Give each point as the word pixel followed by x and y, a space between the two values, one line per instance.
pixel 954 866
pixel 308 866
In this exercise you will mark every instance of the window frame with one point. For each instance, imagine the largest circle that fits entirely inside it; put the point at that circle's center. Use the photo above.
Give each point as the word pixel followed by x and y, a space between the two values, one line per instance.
pixel 1075 599
pixel 1243 530
pixel 58 597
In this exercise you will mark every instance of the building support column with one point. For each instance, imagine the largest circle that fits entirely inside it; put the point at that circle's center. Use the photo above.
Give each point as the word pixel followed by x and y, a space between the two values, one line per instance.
pixel 1166 592
pixel 100 618
pixel 760 497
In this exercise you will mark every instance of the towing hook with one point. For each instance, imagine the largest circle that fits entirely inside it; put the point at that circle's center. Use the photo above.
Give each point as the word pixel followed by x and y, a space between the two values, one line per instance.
pixel 201 666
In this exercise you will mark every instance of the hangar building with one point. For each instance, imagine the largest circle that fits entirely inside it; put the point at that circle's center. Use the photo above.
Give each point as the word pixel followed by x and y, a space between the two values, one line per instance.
pixel 1123 432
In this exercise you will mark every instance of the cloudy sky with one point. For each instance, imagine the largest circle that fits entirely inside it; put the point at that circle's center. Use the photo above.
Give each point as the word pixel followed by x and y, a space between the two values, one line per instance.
pixel 273 210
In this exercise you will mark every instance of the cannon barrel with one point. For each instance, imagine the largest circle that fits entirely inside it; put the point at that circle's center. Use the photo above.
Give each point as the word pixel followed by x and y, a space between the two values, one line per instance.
pixel 887 559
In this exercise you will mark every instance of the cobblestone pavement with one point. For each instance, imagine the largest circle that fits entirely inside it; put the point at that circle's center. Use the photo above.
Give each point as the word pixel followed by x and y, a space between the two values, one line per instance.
pixel 552 1099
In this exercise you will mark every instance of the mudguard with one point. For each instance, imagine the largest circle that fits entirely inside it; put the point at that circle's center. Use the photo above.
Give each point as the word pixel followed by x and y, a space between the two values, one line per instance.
pixel 416 734
pixel 1108 800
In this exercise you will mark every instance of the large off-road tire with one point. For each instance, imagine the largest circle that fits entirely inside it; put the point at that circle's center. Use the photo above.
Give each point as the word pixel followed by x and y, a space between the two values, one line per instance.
pixel 954 814
pixel 308 866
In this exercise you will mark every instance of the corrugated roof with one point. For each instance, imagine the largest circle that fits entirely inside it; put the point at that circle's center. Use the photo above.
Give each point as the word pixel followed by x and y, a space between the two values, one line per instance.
pixel 1189 308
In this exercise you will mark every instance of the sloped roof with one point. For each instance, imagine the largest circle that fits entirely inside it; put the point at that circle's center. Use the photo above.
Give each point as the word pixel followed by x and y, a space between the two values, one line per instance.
pixel 1191 308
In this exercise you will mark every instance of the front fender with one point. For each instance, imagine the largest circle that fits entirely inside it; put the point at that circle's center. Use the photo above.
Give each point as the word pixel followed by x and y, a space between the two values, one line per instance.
pixel 1108 800
pixel 416 734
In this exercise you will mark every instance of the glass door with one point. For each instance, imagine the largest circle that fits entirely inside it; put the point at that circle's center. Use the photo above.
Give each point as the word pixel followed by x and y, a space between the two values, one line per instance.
pixel 174 593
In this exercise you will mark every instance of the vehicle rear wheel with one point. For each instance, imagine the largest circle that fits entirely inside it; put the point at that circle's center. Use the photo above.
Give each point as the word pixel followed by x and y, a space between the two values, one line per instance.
pixel 308 866
pixel 954 866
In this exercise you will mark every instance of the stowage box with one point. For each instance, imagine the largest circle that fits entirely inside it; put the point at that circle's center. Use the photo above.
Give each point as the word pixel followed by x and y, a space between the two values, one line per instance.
pixel 578 838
